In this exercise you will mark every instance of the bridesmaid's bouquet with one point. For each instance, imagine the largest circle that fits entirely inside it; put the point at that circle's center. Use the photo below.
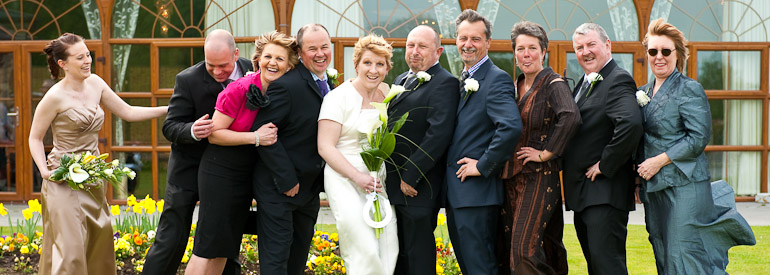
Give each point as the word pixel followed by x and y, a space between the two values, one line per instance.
pixel 381 142
pixel 85 171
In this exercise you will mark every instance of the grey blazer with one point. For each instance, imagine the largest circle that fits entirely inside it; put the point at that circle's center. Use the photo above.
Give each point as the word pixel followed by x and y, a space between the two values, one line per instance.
pixel 677 121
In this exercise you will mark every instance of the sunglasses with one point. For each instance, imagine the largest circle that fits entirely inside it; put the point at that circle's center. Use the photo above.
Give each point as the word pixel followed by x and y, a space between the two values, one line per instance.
pixel 665 52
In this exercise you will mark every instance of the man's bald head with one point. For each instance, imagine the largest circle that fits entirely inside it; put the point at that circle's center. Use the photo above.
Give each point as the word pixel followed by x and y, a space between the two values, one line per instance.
pixel 220 54
pixel 219 39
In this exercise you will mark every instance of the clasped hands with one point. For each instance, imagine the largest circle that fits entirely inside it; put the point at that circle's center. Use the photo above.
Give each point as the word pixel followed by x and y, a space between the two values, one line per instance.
pixel 651 166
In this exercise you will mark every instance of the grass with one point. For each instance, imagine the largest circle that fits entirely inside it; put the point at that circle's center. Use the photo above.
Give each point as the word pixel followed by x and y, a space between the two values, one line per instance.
pixel 743 259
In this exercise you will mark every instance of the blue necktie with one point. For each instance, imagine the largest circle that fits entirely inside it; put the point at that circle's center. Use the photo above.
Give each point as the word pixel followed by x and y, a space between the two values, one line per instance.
pixel 322 85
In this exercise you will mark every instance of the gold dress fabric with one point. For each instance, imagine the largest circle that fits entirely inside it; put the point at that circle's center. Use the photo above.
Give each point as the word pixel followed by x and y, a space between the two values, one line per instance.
pixel 77 233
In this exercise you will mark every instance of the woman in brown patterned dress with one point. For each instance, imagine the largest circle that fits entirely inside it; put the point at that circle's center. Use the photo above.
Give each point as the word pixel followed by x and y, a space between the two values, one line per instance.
pixel 532 221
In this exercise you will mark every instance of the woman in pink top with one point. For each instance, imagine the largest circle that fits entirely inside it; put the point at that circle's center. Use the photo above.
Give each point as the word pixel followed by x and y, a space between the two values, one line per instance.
pixel 225 173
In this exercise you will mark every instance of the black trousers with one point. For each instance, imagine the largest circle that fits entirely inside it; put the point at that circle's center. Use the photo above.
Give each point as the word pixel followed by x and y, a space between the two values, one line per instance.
pixel 602 231
pixel 416 243
pixel 473 231
pixel 285 233
pixel 166 252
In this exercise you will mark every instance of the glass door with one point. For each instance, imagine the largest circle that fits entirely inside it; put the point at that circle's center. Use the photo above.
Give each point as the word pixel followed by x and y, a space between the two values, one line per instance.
pixel 10 138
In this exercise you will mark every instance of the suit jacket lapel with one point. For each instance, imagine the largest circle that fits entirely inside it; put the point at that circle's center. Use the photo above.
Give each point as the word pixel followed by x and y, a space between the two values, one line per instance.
pixel 431 71
pixel 210 83
pixel 306 74
pixel 478 76
pixel 604 72
pixel 661 97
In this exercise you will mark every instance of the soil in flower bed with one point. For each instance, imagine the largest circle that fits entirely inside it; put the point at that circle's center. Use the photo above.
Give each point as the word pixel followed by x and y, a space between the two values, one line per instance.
pixel 8 265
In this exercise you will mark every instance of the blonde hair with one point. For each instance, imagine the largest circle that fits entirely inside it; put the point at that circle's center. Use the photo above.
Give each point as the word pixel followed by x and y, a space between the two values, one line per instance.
pixel 376 44
pixel 278 39
pixel 660 27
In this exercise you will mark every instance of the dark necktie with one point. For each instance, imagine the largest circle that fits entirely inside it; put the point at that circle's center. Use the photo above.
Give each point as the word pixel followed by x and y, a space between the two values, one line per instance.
pixel 465 75
pixel 322 86
pixel 411 81
pixel 226 82
pixel 582 90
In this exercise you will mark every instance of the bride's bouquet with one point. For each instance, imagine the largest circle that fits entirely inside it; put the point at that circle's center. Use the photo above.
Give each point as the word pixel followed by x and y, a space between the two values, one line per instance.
pixel 85 171
pixel 380 144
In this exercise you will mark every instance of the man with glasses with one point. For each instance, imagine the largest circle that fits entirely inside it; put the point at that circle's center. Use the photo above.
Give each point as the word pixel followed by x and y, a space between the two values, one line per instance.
pixel 598 170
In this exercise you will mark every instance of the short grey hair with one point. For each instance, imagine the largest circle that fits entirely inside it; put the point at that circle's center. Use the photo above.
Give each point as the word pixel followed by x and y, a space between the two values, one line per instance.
pixel 472 17
pixel 587 27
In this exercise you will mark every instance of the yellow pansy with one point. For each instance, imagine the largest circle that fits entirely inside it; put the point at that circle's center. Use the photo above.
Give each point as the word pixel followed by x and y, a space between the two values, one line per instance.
pixel 439 269
pixel 24 249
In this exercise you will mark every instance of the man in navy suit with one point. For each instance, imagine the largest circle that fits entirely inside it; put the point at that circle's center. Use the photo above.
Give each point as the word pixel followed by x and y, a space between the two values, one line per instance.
pixel 487 129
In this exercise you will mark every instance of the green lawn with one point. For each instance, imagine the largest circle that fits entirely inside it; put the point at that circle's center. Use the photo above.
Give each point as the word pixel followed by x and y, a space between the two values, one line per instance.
pixel 743 259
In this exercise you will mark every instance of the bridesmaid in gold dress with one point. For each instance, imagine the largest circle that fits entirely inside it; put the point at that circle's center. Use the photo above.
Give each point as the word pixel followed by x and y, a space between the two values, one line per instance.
pixel 77 234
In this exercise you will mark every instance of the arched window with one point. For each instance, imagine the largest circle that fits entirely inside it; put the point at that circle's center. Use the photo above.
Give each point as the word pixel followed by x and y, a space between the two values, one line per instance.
pixel 35 20
pixel 560 17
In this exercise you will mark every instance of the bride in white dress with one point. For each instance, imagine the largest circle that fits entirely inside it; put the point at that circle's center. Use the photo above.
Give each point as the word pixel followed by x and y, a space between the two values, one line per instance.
pixel 346 179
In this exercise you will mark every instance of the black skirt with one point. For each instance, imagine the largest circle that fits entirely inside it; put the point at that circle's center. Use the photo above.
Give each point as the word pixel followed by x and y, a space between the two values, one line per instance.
pixel 225 187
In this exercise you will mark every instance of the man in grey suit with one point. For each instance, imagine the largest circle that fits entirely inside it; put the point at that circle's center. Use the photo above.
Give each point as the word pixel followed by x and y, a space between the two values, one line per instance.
pixel 488 126
pixel 598 172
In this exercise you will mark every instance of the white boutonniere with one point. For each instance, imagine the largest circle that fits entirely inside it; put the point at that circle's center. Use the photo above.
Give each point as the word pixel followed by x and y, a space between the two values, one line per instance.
pixel 642 98
pixel 422 76
pixel 593 78
pixel 394 91
pixel 333 75
pixel 471 86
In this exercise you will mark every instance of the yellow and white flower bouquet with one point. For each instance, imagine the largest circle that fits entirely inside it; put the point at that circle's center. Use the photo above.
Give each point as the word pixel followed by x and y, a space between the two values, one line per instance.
pixel 85 171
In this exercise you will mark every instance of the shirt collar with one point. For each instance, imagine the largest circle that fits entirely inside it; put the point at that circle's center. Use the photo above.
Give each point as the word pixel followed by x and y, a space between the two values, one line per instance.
pixel 476 67
pixel 236 73
pixel 316 78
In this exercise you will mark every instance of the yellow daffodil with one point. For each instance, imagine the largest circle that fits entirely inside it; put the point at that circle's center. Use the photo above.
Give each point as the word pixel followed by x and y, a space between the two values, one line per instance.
pixel 185 258
pixel 27 213
pixel 148 204
pixel 137 208
pixel 3 211
pixel 439 269
pixel 131 200
pixel 160 204
pixel 115 210
pixel 35 206
pixel 103 156
pixel 441 219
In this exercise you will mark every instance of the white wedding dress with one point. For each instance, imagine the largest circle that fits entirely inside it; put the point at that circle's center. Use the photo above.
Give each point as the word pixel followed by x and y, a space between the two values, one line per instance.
pixel 362 252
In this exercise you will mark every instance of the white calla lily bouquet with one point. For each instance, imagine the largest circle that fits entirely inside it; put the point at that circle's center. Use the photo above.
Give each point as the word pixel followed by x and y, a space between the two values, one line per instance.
pixel 379 146
pixel 85 171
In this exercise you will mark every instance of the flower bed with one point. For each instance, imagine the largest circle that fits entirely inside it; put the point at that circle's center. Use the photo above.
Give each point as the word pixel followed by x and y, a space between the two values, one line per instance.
pixel 135 233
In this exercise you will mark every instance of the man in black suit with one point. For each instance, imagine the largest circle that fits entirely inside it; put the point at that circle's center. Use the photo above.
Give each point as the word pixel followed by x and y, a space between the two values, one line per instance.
pixel 598 172
pixel 187 126
pixel 288 175
pixel 488 126
pixel 415 188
